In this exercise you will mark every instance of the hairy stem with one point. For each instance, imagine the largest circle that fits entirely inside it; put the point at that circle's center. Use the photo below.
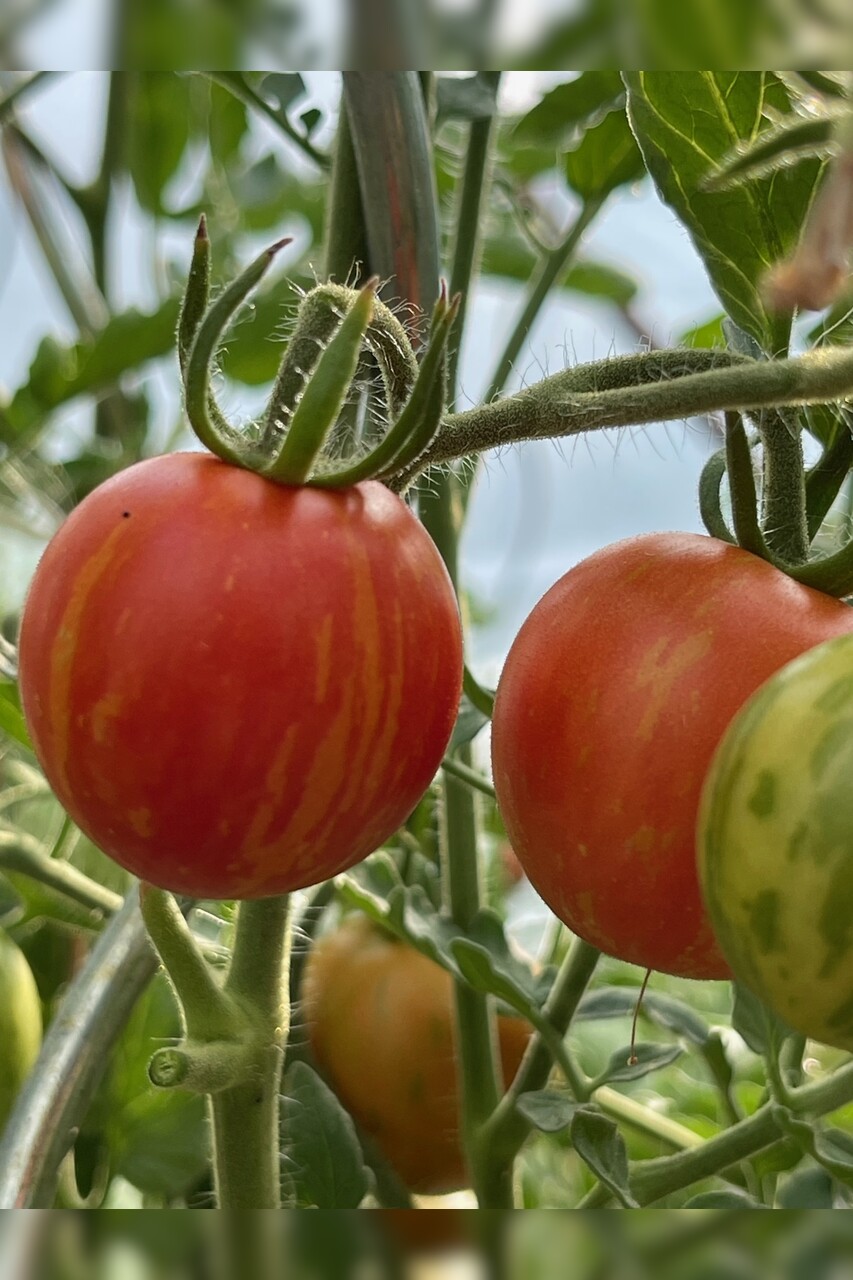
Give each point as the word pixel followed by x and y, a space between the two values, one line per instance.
pixel 634 390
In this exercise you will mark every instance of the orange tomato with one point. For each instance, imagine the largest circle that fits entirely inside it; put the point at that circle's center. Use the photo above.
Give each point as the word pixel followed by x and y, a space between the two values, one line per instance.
pixel 379 1017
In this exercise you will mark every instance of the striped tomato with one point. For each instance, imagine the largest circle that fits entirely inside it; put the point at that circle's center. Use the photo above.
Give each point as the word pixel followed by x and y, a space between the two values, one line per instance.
pixel 235 688
pixel 613 697
pixel 776 843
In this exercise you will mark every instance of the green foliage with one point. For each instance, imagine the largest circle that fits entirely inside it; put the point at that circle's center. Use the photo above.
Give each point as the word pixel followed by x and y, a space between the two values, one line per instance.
pixel 737 156
pixel 686 123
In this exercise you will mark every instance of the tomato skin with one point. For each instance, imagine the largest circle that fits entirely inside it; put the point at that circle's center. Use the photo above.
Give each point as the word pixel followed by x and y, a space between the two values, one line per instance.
pixel 775 843
pixel 235 688
pixel 613 697
pixel 379 1017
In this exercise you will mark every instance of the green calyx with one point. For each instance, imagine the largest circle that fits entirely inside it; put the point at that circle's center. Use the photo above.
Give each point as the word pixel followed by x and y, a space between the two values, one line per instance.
pixel 340 334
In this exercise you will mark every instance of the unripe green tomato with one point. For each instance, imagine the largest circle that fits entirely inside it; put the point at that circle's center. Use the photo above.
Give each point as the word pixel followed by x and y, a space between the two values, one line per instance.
pixel 20 1023
pixel 775 843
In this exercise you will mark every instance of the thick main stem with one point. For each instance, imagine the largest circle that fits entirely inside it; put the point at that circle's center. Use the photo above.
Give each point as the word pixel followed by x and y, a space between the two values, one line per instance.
pixel 246 1117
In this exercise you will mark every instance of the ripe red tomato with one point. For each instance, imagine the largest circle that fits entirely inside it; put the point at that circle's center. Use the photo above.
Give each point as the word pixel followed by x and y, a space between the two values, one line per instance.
pixel 379 1017
pixel 614 695
pixel 235 688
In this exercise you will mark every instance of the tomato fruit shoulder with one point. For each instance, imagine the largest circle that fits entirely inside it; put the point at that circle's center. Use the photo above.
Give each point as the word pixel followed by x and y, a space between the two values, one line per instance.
pixel 237 688
pixel 612 700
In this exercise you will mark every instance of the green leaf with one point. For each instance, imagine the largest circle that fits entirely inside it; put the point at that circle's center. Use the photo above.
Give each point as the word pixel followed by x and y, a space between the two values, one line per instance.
pixel 598 280
pixel 686 122
pixel 323 1157
pixel 60 373
pixel 159 121
pixel 606 157
pixel 547 1110
pixel 465 98
pixel 649 1057
pixel 12 720
pixel 665 1010
pixel 707 334
pixel 600 1145
pixel 310 119
pixel 762 1030
pixel 806 1188
pixel 567 107
pixel 833 1148
pixel 482 955
pixel 723 1200
pixel 469 722
pixel 282 88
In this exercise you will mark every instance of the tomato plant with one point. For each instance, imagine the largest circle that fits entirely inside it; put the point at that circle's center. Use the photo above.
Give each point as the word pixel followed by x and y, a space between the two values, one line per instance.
pixel 613 697
pixel 238 688
pixel 379 1017
pixel 775 836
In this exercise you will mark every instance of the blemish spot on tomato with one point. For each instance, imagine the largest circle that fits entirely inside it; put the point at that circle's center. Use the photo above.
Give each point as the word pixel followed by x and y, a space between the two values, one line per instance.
pixel 140 820
pixel 125 515
pixel 643 840
pixel 762 802
pixel 104 714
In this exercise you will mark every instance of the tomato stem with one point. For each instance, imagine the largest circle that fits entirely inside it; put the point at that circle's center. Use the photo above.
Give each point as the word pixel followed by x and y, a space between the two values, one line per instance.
pixel 323 394
pixel 208 1014
pixel 246 1117
pixel 635 390
pixel 744 499
pixel 507 1127
pixel 418 422
pixel 784 517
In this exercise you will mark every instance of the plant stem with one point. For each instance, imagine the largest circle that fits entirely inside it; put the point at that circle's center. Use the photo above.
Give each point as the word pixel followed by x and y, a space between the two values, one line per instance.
pixel 234 82
pixel 466 774
pixel 507 1128
pixel 657 386
pixel 393 155
pixel 207 1013
pixel 20 852
pixel 79 291
pixel 473 187
pixel 246 1117
pixel 346 236
pixel 550 270
pixel 654 1179
pixel 784 518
